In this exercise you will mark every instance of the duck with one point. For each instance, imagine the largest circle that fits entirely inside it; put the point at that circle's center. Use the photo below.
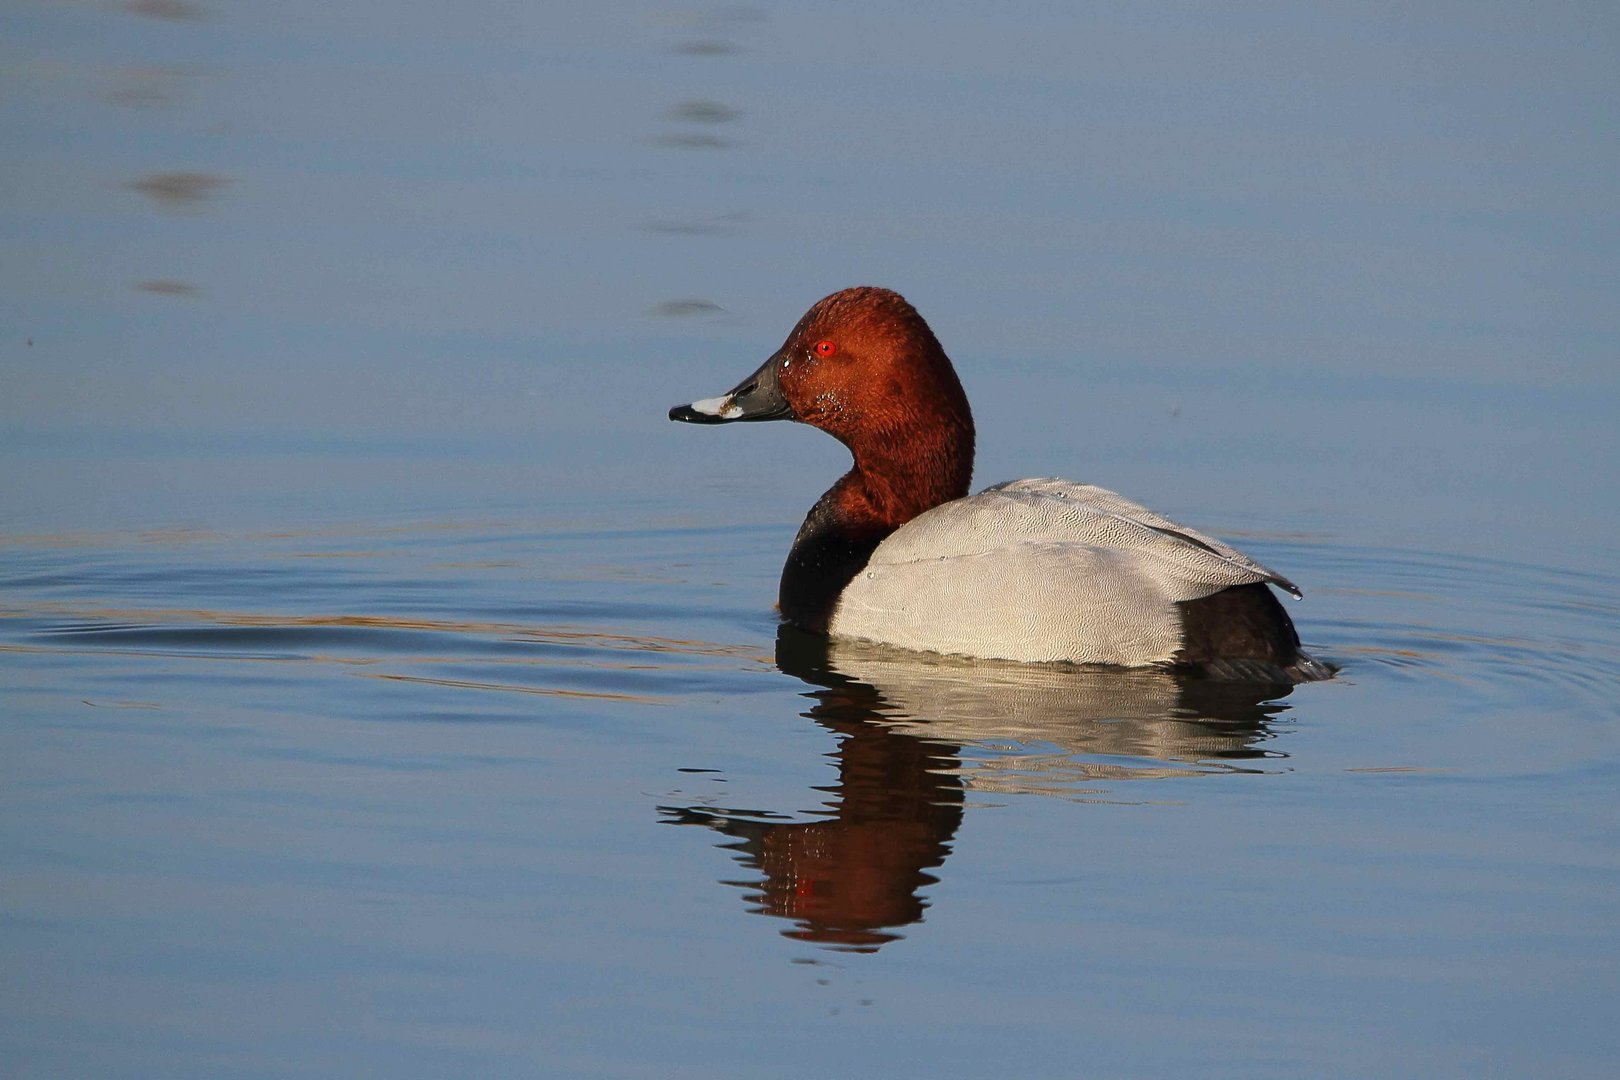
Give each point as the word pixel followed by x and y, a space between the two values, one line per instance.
pixel 1040 570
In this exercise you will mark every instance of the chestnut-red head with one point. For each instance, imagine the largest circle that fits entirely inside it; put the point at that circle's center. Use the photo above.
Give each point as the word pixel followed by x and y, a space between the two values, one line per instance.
pixel 864 367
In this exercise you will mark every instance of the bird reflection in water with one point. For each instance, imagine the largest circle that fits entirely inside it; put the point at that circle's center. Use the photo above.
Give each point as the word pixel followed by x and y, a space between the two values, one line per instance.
pixel 917 734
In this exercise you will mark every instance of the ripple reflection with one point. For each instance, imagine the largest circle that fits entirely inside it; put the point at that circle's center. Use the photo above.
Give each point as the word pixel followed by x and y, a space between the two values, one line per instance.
pixel 916 735
pixel 181 191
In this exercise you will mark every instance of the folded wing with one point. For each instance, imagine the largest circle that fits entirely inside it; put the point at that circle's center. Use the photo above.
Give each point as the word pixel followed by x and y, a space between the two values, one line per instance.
pixel 1041 569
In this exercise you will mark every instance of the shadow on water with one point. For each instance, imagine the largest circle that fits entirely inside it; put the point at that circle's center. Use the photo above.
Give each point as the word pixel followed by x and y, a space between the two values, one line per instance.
pixel 174 10
pixel 918 735
pixel 181 191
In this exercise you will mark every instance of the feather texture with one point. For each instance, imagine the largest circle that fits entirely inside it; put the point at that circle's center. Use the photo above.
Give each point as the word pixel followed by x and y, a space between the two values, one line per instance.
pixel 1040 569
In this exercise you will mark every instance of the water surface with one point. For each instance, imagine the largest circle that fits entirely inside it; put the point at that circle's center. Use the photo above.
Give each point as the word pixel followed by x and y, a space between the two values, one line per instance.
pixel 388 689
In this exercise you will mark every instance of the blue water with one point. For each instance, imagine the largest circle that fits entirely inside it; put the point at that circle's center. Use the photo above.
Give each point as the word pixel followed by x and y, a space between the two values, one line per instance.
pixel 386 688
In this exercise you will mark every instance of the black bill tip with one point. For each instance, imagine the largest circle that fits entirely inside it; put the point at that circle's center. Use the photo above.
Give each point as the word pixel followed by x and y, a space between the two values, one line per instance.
pixel 688 415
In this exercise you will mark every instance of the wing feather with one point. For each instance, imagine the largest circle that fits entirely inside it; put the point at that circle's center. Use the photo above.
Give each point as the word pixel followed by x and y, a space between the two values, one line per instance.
pixel 1184 563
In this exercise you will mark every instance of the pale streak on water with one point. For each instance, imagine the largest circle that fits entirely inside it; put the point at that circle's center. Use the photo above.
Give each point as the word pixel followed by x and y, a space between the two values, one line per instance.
pixel 364 627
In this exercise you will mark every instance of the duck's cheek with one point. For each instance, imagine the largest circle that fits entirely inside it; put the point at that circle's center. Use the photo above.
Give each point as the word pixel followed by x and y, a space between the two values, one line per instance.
pixel 827 409
pixel 799 387
pixel 830 401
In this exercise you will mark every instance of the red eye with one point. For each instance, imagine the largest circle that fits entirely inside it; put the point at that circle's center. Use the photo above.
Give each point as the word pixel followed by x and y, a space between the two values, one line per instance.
pixel 825 348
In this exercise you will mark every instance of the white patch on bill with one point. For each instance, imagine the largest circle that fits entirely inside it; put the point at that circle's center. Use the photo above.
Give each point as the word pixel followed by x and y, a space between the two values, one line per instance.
pixel 717 406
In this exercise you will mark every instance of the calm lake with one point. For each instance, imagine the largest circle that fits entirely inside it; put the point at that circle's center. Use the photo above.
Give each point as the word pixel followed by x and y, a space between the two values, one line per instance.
pixel 388 689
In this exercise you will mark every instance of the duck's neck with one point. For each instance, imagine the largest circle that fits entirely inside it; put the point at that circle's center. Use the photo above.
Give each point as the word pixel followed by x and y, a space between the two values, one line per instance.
pixel 894 480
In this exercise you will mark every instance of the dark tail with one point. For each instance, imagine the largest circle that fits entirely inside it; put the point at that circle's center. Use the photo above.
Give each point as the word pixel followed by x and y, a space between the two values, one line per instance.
pixel 1242 633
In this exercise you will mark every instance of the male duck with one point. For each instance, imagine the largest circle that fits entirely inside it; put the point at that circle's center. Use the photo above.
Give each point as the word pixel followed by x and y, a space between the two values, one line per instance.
pixel 1032 570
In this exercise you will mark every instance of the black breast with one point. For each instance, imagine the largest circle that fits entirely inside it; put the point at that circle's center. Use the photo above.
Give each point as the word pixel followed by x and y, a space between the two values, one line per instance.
pixel 827 554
